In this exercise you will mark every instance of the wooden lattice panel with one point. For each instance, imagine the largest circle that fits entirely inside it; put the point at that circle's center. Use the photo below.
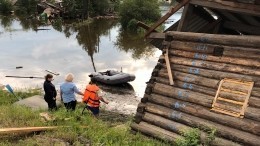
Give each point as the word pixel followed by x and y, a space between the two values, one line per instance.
pixel 232 97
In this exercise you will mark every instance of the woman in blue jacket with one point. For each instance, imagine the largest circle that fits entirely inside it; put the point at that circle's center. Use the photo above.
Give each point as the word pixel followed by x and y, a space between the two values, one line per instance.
pixel 67 92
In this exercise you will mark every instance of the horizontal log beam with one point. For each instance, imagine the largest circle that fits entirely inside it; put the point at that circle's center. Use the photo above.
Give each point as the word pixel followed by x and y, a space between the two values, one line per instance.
pixel 218 75
pixel 228 51
pixel 229 40
pixel 154 131
pixel 215 66
pixel 222 59
pixel 179 128
pixel 193 121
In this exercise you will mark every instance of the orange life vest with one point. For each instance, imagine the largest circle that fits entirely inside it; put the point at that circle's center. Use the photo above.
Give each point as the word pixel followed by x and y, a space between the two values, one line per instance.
pixel 90 96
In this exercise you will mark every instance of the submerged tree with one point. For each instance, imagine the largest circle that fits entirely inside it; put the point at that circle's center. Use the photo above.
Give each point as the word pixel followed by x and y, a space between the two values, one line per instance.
pixel 26 7
pixel 5 6
pixel 132 42
pixel 131 11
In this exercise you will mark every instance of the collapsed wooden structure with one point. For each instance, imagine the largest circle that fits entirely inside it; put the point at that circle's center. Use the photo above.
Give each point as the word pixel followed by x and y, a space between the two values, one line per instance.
pixel 208 76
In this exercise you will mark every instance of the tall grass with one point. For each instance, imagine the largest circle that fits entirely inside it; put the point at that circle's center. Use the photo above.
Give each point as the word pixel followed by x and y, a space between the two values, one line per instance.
pixel 8 98
pixel 94 132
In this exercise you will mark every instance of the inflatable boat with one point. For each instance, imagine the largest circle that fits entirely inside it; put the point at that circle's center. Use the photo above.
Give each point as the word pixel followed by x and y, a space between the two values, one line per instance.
pixel 112 77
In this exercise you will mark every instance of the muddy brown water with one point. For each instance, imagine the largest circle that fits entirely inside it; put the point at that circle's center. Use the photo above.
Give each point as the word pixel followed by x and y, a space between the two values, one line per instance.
pixel 78 49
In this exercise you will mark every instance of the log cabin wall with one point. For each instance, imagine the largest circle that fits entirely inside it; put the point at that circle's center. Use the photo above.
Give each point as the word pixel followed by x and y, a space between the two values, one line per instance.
pixel 200 57
pixel 199 62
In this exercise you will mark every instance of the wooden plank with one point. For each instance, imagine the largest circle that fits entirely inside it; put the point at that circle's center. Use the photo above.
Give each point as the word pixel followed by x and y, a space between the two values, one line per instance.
pixel 233 91
pixel 169 70
pixel 185 17
pixel 217 94
pixel 247 98
pixel 26 129
pixel 230 6
pixel 230 101
pixel 226 112
pixel 242 27
pixel 166 16
pixel 144 26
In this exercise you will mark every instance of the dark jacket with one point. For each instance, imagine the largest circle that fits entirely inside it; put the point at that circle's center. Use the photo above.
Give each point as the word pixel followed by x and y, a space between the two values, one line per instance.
pixel 49 90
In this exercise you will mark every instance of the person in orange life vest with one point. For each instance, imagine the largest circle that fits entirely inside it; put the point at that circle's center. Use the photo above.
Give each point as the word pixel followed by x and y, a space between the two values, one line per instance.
pixel 92 98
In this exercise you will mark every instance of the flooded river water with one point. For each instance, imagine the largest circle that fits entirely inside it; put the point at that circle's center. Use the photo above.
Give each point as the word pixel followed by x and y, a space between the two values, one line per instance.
pixel 80 50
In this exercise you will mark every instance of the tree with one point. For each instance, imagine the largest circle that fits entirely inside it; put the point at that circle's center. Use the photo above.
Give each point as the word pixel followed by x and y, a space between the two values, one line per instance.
pixel 5 6
pixel 138 10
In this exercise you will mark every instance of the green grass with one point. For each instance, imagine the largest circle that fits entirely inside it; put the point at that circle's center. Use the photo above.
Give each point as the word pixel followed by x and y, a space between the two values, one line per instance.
pixel 104 131
pixel 8 98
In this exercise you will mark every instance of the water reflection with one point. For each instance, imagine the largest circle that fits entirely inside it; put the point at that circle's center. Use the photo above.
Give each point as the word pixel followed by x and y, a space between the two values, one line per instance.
pixel 132 42
pixel 65 48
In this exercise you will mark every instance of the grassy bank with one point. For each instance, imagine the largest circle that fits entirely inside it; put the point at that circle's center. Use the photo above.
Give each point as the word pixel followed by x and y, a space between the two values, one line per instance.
pixel 108 130
pixel 111 129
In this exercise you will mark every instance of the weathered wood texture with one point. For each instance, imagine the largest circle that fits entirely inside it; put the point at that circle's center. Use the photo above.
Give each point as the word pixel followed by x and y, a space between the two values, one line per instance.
pixel 155 131
pixel 193 121
pixel 205 113
pixel 198 63
pixel 229 40
pixel 26 129
pixel 178 128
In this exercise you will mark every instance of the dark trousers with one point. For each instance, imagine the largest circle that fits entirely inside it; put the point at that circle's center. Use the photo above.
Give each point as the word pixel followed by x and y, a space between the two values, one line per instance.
pixel 51 104
pixel 71 105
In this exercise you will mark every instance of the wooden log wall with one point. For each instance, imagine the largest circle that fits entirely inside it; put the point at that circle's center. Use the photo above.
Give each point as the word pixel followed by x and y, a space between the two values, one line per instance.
pixel 198 63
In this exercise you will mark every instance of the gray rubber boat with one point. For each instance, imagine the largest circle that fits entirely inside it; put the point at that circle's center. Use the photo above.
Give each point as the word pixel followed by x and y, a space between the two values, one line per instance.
pixel 112 77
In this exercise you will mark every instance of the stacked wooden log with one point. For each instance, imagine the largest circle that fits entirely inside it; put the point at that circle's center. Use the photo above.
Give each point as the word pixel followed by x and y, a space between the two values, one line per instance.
pixel 198 63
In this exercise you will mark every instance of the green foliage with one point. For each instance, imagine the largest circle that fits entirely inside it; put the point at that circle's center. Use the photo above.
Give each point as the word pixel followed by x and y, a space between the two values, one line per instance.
pixel 57 24
pixel 76 8
pixel 18 116
pixel 5 6
pixel 99 7
pixel 191 138
pixel 73 7
pixel 210 137
pixel 141 10
pixel 26 7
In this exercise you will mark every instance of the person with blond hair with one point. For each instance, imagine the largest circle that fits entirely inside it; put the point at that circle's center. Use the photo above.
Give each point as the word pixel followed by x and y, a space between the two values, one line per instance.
pixel 67 92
